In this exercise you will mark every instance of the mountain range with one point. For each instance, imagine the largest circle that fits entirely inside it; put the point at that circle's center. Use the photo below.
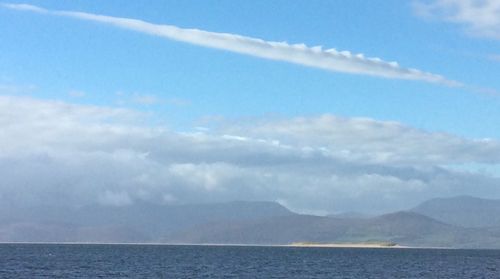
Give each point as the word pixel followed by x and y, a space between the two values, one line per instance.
pixel 464 211
pixel 458 222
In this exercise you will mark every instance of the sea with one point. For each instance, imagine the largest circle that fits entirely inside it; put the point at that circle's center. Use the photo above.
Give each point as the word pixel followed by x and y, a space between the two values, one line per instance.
pixel 198 261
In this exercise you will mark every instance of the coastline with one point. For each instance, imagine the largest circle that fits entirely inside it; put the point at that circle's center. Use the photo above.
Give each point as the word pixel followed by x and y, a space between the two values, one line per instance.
pixel 348 245
pixel 291 245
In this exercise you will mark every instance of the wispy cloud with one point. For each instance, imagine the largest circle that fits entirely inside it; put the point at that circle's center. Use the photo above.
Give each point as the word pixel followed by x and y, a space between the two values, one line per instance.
pixel 494 57
pixel 145 99
pixel 481 18
pixel 10 88
pixel 76 93
pixel 316 57
pixel 150 100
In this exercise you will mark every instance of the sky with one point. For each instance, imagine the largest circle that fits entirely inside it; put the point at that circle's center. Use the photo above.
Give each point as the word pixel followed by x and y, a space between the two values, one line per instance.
pixel 323 106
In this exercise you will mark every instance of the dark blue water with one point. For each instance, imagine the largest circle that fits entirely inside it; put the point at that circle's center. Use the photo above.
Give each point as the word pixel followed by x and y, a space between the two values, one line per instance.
pixel 163 261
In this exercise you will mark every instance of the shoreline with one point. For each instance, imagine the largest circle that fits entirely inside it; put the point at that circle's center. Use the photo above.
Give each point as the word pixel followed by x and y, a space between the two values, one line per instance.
pixel 291 245
pixel 349 245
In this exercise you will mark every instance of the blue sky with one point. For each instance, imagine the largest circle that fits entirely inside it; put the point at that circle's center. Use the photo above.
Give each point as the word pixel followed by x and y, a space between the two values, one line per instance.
pixel 59 55
pixel 47 57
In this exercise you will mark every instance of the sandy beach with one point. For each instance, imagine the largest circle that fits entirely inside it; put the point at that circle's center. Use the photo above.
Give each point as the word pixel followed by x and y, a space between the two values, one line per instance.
pixel 346 245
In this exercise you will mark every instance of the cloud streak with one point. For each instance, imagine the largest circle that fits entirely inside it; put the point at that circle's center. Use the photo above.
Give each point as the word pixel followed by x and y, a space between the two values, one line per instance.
pixel 316 57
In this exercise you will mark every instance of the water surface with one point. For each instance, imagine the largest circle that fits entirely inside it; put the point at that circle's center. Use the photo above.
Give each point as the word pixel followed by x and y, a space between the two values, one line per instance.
pixel 166 261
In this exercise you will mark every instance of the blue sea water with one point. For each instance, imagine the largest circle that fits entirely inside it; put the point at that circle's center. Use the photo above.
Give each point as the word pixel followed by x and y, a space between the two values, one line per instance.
pixel 166 261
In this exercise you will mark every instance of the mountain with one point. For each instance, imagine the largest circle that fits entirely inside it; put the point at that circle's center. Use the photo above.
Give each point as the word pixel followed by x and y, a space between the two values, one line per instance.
pixel 464 211
pixel 254 223
pixel 404 228
pixel 141 222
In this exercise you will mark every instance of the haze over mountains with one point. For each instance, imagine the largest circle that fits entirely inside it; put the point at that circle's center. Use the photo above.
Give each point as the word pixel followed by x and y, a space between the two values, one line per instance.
pixel 140 222
pixel 460 222
pixel 463 211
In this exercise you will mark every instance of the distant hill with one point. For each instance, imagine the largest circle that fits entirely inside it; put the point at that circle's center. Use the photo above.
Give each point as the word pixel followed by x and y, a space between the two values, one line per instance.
pixel 252 223
pixel 464 211
pixel 140 222
pixel 404 228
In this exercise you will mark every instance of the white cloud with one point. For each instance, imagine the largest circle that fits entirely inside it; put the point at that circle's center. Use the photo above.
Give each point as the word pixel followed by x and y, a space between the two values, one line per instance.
pixel 317 57
pixel 146 99
pixel 368 140
pixel 64 154
pixel 481 17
